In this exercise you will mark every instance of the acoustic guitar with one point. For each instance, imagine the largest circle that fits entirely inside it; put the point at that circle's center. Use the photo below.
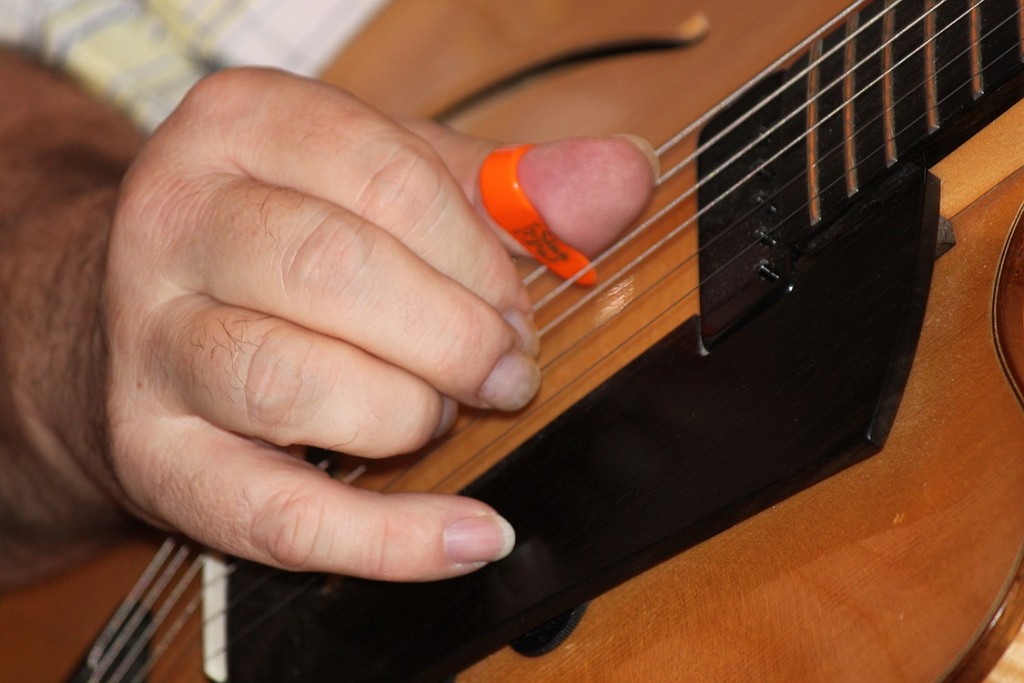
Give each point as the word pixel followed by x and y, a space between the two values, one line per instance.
pixel 782 437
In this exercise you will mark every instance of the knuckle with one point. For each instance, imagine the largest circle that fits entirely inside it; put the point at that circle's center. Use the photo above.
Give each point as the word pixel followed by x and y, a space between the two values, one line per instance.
pixel 409 181
pixel 381 553
pixel 288 528
pixel 477 338
pixel 276 386
pixel 331 258
pixel 415 425
pixel 226 91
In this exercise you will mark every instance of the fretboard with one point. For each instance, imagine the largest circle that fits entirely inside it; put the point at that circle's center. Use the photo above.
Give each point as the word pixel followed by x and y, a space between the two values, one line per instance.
pixel 795 151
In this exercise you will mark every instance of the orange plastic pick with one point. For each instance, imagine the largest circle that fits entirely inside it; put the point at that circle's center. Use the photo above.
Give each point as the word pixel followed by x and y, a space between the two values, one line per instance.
pixel 508 205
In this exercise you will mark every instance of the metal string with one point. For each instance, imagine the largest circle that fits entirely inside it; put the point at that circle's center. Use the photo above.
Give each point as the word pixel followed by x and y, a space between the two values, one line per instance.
pixel 837 149
pixel 115 629
pixel 644 226
pixel 693 290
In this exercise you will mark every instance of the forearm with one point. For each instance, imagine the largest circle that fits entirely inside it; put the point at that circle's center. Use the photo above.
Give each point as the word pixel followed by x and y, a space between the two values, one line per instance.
pixel 61 159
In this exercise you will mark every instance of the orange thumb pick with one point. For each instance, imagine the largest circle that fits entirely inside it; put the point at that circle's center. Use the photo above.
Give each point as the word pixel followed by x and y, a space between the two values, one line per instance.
pixel 508 205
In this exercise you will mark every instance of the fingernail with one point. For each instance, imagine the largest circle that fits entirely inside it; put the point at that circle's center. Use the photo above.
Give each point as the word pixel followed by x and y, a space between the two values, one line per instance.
pixel 449 411
pixel 647 150
pixel 512 383
pixel 522 323
pixel 480 539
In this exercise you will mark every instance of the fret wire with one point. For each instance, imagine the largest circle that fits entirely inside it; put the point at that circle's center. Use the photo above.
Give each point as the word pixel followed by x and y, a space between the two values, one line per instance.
pixel 811 156
pixel 977 77
pixel 889 119
pixel 849 113
pixel 1020 29
pixel 760 105
pixel 568 283
pixel 834 150
pixel 930 83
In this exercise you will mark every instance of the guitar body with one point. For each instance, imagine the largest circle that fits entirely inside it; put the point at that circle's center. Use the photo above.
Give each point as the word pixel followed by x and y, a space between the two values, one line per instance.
pixel 902 567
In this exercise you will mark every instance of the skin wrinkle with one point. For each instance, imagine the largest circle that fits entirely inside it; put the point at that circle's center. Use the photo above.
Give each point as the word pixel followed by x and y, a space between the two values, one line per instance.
pixel 340 446
pixel 267 232
pixel 283 525
pixel 376 555
pixel 391 186
pixel 336 257
pixel 272 388
pixel 186 208
pixel 233 350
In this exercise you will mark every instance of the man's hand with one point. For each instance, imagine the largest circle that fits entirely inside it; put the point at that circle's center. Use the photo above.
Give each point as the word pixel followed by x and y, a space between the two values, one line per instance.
pixel 288 266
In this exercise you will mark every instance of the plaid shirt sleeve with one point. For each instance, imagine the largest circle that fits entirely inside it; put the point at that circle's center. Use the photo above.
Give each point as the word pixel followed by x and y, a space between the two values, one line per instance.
pixel 144 55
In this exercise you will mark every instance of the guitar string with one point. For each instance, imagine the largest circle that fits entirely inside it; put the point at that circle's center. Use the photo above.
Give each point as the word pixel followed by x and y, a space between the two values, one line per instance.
pixel 597 290
pixel 270 572
pixel 143 638
pixel 675 269
pixel 611 280
pixel 171 636
pixel 879 150
pixel 689 192
pixel 316 577
pixel 796 78
pixel 711 113
pixel 593 292
pixel 143 607
pixel 229 568
pixel 141 633
pixel 190 608
pixel 129 603
pixel 701 120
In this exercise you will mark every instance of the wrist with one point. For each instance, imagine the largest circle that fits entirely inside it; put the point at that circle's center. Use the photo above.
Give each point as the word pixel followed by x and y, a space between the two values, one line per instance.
pixel 61 159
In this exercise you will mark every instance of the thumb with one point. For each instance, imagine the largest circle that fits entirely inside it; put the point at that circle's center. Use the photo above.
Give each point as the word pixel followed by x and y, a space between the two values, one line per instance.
pixel 587 189
pixel 256 502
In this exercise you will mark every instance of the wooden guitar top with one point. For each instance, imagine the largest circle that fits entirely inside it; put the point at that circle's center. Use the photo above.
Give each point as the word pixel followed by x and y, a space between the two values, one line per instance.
pixel 893 568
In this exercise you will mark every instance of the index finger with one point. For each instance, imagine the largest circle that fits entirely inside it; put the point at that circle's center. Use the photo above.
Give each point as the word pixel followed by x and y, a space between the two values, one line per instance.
pixel 305 135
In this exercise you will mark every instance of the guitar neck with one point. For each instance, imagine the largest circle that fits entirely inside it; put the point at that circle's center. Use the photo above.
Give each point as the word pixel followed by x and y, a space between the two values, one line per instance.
pixel 897 80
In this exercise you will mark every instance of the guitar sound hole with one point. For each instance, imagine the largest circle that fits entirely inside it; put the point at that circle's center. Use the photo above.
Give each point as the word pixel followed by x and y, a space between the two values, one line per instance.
pixel 549 635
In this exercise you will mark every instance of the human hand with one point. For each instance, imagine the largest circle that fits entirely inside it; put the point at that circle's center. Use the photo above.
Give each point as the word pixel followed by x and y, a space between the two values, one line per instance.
pixel 288 266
